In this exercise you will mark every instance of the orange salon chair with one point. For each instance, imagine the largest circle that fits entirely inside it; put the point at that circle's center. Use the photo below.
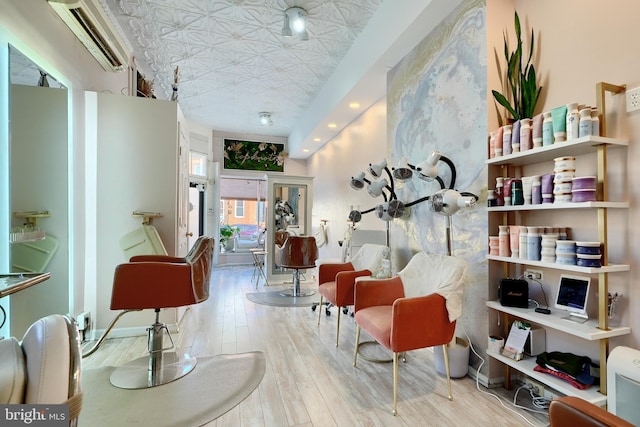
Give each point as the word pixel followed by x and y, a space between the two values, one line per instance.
pixel 574 411
pixel 157 282
pixel 296 253
pixel 336 281
pixel 416 309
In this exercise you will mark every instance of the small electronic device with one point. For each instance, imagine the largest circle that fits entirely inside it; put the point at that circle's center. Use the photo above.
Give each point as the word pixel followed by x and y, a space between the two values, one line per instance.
pixel 572 296
pixel 514 293
pixel 543 310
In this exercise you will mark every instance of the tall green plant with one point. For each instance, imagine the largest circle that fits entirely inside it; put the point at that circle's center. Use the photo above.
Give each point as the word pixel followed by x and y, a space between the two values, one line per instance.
pixel 521 79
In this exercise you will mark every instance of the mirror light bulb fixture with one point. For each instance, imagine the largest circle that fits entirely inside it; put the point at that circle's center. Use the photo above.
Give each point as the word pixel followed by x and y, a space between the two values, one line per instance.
pixel 295 22
pixel 265 119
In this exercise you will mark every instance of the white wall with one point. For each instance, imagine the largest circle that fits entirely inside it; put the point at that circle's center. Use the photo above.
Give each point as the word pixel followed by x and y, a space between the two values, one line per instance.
pixel 33 27
pixel 350 152
pixel 581 44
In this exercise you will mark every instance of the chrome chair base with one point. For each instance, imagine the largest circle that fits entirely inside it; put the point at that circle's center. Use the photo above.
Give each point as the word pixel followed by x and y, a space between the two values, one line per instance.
pixel 139 373
pixel 159 367
pixel 296 291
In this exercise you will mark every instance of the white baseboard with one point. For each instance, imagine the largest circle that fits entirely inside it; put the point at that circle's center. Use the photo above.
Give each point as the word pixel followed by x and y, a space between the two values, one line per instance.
pixel 484 380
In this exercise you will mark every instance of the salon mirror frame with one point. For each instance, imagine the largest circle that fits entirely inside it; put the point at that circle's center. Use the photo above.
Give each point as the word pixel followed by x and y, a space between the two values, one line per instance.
pixel 60 287
pixel 302 222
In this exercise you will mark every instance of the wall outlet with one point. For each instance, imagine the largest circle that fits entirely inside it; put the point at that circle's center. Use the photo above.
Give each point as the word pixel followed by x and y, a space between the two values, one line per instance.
pixel 633 99
pixel 538 388
pixel 551 393
pixel 84 321
pixel 533 275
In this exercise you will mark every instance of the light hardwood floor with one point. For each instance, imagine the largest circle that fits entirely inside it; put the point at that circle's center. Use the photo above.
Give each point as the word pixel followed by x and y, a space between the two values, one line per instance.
pixel 308 380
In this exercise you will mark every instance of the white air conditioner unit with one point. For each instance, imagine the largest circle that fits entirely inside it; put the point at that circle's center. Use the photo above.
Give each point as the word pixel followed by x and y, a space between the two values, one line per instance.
pixel 91 25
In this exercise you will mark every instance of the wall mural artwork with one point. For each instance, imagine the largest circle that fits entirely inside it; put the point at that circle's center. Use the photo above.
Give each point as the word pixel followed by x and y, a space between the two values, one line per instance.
pixel 254 156
pixel 436 100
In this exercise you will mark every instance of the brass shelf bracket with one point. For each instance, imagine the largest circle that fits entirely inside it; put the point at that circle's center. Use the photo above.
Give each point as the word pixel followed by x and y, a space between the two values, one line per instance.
pixel 147 217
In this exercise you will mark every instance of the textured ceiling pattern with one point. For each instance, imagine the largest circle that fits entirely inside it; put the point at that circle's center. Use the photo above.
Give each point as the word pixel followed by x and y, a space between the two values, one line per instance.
pixel 233 61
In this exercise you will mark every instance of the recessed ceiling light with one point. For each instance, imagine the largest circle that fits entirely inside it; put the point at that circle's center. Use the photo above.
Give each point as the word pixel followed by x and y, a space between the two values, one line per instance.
pixel 306 150
pixel 317 139
pixel 354 105
pixel 332 125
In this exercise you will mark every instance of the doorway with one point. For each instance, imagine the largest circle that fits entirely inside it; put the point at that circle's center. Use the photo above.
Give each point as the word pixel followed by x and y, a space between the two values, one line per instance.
pixel 196 212
pixel 243 208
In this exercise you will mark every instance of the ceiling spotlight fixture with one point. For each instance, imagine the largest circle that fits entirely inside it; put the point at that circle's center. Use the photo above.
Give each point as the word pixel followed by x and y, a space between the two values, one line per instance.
pixel 265 119
pixel 295 22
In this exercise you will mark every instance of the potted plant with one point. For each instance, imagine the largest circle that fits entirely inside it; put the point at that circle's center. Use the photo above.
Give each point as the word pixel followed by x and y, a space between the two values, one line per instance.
pixel 227 235
pixel 521 84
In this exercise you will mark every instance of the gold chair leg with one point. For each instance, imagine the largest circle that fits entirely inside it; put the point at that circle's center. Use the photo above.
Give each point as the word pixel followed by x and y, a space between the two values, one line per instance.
pixel 445 351
pixel 395 383
pixel 355 353
pixel 320 310
pixel 338 328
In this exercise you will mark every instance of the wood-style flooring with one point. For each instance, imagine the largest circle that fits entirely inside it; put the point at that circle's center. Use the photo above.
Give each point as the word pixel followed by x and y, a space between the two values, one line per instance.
pixel 311 382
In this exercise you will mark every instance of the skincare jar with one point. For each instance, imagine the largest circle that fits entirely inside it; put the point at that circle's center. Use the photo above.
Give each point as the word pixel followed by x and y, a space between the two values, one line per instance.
pixel 562 198
pixel 583 196
pixel 564 164
pixel 584 183
pixel 588 260
pixel 566 259
pixel 564 176
pixel 588 248
pixel 562 188
pixel 565 247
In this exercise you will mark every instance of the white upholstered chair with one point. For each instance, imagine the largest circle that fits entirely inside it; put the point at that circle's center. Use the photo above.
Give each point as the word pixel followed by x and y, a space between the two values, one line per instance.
pixel 43 368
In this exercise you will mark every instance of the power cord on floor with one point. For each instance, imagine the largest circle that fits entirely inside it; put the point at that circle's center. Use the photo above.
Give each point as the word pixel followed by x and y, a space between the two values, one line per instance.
pixel 498 398
pixel 537 401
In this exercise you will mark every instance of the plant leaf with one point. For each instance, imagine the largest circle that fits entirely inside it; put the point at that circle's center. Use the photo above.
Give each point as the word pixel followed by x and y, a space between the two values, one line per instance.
pixel 503 101
pixel 531 47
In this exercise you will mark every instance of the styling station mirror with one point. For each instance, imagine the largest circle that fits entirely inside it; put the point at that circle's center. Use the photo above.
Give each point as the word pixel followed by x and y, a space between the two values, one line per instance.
pixel 38 186
pixel 289 201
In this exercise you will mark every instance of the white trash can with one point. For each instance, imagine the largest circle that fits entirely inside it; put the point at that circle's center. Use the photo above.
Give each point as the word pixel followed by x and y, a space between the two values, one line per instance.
pixel 458 358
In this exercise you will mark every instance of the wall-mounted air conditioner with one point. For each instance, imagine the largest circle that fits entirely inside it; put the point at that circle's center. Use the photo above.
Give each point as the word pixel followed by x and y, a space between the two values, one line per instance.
pixel 91 25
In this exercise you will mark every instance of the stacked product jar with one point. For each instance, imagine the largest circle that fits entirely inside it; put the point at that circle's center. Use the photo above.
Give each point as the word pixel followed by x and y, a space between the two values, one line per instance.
pixel 583 189
pixel 564 170
pixel 588 254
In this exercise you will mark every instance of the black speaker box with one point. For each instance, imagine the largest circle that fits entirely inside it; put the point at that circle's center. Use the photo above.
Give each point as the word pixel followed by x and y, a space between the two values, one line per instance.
pixel 514 293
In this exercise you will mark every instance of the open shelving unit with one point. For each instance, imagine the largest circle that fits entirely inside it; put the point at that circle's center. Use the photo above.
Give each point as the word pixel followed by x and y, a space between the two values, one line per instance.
pixel 593 330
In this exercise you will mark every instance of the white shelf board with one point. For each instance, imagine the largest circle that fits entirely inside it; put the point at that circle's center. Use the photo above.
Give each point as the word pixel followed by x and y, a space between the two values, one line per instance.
pixel 556 205
pixel 572 147
pixel 592 394
pixel 588 330
pixel 611 268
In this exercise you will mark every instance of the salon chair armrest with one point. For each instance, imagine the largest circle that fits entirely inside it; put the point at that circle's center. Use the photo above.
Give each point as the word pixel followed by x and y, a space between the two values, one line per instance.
pixel 345 282
pixel 370 293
